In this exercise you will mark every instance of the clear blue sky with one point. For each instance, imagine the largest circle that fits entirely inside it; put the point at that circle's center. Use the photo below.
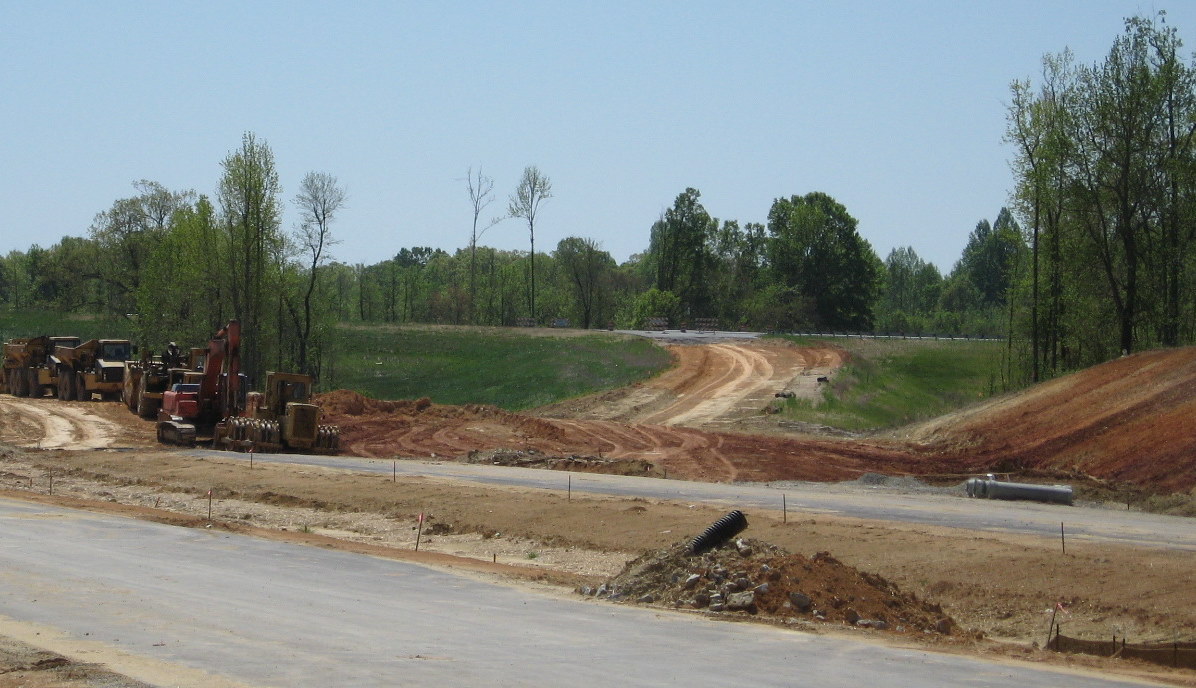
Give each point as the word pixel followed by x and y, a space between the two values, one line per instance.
pixel 896 109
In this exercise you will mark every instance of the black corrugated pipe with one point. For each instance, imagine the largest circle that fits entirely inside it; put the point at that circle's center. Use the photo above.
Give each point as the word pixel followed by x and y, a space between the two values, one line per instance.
pixel 719 532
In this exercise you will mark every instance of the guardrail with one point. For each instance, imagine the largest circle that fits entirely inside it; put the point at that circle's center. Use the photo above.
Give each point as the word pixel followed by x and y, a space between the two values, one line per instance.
pixel 895 335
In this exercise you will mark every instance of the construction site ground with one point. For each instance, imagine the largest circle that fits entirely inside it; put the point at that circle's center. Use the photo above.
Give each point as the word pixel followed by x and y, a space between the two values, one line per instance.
pixel 700 420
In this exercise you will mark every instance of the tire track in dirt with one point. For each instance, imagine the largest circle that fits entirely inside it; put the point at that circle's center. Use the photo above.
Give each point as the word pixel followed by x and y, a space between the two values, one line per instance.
pixel 728 374
pixel 666 421
pixel 52 424
pixel 666 446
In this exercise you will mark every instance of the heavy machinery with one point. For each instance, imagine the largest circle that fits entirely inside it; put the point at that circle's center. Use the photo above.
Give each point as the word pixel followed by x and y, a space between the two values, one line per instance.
pixel 96 366
pixel 147 380
pixel 202 397
pixel 30 367
pixel 281 418
pixel 16 363
pixel 214 400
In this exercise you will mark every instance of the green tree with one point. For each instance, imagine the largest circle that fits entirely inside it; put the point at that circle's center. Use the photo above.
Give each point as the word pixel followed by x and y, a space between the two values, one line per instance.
pixel 251 214
pixel 679 252
pixel 183 294
pixel 988 258
pixel 126 234
pixel 319 200
pixel 814 248
pixel 587 269
pixel 738 259
pixel 912 285
pixel 1037 127
pixel 656 303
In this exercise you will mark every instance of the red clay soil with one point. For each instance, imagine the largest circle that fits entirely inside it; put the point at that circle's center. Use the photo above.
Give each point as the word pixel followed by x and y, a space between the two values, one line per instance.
pixel 1128 420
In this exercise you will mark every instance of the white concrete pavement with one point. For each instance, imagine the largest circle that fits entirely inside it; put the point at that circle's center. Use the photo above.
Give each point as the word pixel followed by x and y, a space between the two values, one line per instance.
pixel 242 611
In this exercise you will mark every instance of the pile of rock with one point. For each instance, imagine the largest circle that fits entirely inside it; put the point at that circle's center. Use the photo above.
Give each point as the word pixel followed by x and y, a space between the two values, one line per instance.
pixel 756 578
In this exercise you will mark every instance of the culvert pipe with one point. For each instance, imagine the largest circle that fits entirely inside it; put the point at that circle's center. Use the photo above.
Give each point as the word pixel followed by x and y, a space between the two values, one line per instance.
pixel 997 489
pixel 719 532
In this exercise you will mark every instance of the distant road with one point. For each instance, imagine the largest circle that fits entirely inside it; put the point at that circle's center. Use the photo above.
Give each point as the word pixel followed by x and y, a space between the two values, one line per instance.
pixel 1109 525
pixel 691 335
pixel 175 606
pixel 699 335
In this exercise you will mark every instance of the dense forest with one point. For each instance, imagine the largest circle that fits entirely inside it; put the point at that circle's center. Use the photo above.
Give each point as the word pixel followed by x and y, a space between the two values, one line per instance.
pixel 1092 257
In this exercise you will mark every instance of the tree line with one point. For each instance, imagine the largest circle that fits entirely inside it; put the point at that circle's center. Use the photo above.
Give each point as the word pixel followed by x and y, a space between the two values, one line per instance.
pixel 1101 261
pixel 1105 177
pixel 177 264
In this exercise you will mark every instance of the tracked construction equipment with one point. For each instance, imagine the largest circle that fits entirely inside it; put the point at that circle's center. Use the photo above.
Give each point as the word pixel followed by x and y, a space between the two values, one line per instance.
pixel 213 400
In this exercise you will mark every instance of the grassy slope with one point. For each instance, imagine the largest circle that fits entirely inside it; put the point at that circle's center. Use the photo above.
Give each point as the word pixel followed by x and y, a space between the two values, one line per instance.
pixel 33 324
pixel 889 383
pixel 512 369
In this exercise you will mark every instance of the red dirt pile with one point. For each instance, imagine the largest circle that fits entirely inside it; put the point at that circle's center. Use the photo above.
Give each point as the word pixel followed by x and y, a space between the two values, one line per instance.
pixel 750 577
pixel 343 402
pixel 1128 420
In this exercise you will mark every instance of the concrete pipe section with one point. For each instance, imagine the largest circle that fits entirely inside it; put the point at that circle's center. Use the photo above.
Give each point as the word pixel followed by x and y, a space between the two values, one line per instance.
pixel 991 488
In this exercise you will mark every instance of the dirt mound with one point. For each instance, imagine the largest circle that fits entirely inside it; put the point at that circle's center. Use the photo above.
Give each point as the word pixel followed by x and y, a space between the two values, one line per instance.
pixel 344 402
pixel 756 578
pixel 531 458
pixel 1127 420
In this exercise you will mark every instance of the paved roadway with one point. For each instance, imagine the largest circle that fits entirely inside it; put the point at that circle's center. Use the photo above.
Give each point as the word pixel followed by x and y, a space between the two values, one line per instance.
pixel 195 607
pixel 1084 523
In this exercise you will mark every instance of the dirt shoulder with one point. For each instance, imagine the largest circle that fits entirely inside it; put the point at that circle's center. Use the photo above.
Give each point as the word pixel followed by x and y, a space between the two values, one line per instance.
pixel 25 666
pixel 1127 420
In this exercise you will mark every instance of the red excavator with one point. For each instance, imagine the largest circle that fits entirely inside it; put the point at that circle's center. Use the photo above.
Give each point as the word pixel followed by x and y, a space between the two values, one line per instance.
pixel 214 399
pixel 207 395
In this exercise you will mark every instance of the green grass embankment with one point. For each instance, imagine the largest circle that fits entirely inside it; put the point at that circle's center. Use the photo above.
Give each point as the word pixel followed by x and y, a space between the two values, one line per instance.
pixel 509 368
pixel 55 324
pixel 888 383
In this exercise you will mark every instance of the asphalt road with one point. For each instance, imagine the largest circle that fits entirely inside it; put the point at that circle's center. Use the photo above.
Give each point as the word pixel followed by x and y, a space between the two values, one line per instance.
pixel 1083 523
pixel 222 609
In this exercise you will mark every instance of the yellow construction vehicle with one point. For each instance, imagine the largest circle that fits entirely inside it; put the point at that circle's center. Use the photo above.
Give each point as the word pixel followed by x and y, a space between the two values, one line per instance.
pixel 96 366
pixel 147 380
pixel 30 367
pixel 279 419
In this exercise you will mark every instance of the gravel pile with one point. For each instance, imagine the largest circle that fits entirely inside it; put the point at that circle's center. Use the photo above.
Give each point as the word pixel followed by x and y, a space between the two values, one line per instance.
pixel 751 577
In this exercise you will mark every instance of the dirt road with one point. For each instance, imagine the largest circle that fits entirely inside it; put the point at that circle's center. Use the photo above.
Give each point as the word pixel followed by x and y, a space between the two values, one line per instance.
pixel 51 424
pixel 698 421
pixel 710 386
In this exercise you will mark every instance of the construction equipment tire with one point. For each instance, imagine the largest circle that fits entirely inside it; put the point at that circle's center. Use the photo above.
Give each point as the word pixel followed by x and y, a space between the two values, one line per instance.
pixel 35 388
